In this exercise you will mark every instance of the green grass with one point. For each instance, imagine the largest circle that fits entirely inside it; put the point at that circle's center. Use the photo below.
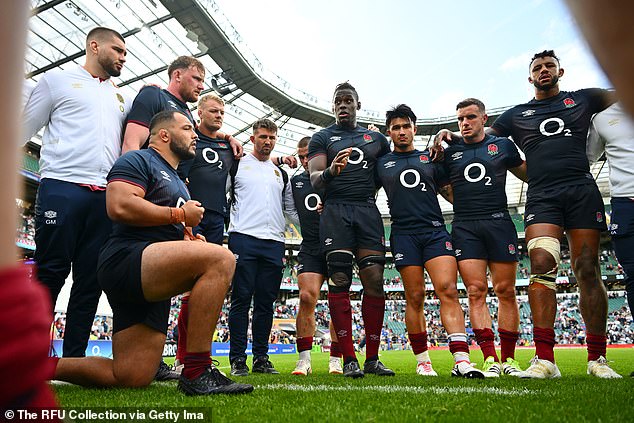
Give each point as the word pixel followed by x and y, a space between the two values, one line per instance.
pixel 406 397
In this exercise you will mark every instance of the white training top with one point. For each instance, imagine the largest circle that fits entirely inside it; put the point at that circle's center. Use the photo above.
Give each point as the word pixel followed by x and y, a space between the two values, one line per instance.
pixel 84 123
pixel 259 205
pixel 612 130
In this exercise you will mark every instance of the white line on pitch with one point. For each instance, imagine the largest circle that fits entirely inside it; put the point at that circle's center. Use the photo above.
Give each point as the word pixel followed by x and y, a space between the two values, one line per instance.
pixel 396 389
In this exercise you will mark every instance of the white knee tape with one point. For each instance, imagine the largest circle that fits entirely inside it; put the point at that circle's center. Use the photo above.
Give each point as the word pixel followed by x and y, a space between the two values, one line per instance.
pixel 547 243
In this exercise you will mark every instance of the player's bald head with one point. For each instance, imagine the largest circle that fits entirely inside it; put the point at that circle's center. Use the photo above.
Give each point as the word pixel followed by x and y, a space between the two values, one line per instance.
pixel 163 120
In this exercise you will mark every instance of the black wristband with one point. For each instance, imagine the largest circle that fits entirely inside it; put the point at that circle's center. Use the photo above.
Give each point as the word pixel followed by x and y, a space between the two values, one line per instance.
pixel 326 175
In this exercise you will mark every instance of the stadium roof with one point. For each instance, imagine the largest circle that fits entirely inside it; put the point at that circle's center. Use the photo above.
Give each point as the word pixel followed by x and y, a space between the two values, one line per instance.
pixel 156 32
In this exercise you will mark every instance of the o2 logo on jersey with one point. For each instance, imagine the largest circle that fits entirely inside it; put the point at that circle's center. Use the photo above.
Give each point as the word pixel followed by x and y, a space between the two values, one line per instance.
pixel 549 131
pixel 414 180
pixel 211 157
pixel 310 204
pixel 359 159
pixel 481 174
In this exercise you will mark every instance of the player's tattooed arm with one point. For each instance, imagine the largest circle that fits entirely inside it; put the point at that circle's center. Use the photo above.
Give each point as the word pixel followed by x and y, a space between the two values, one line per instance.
pixel 446 192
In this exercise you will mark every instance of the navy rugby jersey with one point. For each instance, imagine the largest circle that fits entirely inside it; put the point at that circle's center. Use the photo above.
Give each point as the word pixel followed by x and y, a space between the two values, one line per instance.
pixel 478 176
pixel 552 133
pixel 410 181
pixel 356 182
pixel 151 100
pixel 209 171
pixel 149 170
pixel 306 201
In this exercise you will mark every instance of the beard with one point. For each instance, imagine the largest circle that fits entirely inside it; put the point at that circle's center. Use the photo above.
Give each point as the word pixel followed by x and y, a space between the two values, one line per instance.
pixel 181 151
pixel 109 67
pixel 545 87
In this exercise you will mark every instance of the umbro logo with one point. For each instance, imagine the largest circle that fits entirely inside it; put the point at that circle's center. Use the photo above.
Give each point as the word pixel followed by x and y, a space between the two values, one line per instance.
pixel 173 105
pixel 458 252
pixel 497 215
pixel 166 176
pixel 529 112
pixel 530 217
pixel 335 138
pixel 436 223
pixel 456 156
pixel 50 214
pixel 299 185
pixel 328 241
pixel 398 256
pixel 389 164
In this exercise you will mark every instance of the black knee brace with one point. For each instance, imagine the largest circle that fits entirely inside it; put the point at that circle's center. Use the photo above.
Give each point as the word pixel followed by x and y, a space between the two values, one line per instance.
pixel 339 270
pixel 371 272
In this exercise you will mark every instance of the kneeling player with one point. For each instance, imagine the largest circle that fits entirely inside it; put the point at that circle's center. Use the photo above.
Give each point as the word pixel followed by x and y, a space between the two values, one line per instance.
pixel 312 268
pixel 146 262
pixel 483 233
pixel 420 241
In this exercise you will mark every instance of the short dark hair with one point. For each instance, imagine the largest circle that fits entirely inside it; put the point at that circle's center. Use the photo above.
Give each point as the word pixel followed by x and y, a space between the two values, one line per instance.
pixel 303 142
pixel 162 118
pixel 542 54
pixel 185 62
pixel 347 86
pixel 471 102
pixel 400 111
pixel 100 33
pixel 265 124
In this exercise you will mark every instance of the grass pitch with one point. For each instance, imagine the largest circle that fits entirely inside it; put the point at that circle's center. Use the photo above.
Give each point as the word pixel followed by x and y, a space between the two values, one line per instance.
pixel 321 397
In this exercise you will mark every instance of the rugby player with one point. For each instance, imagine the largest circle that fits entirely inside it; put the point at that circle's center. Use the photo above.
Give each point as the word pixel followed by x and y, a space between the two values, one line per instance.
pixel 342 158
pixel 207 183
pixel 483 233
pixel 83 111
pixel 150 257
pixel 551 130
pixel 419 242
pixel 312 269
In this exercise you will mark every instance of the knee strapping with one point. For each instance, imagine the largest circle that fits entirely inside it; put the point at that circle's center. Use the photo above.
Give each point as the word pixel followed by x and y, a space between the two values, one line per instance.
pixel 552 246
pixel 371 272
pixel 340 264
pixel 371 260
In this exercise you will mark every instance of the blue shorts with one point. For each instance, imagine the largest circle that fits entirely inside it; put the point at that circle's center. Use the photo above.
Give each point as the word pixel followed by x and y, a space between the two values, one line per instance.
pixel 417 249
pixel 119 274
pixel 311 262
pixel 212 227
pixel 486 239
pixel 571 207
pixel 351 227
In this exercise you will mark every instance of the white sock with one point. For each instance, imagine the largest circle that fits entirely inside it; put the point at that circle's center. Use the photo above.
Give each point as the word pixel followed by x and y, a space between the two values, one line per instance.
pixel 304 355
pixel 460 356
pixel 335 359
pixel 422 357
